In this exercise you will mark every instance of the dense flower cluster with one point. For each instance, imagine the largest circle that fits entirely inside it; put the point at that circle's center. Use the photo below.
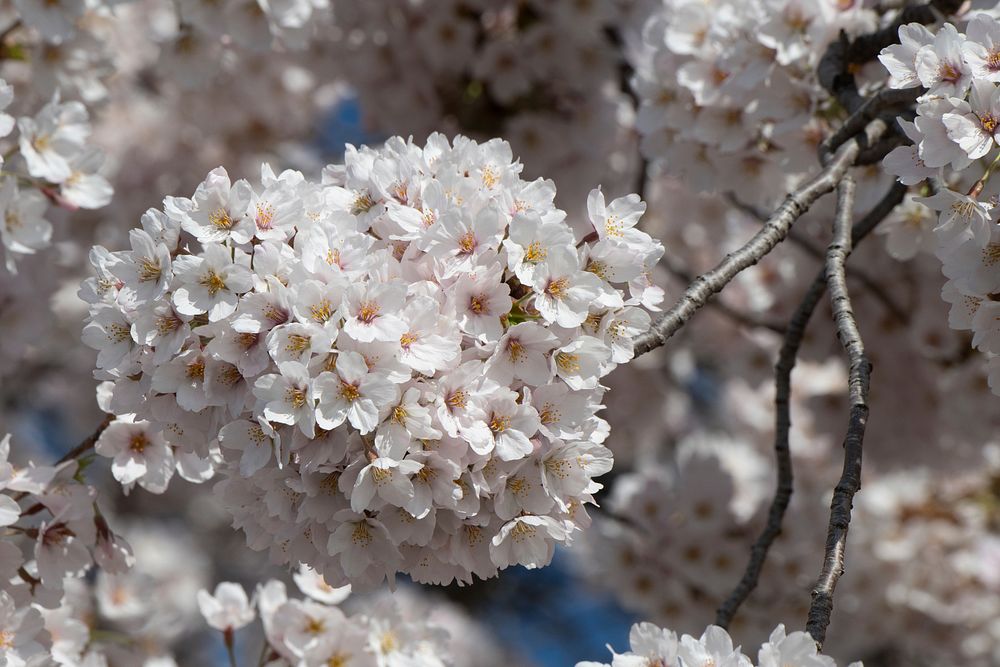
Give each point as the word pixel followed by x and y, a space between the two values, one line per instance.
pixel 956 125
pixel 545 76
pixel 651 645
pixel 315 631
pixel 401 366
pixel 51 163
pixel 234 305
pixel 54 535
pixel 728 90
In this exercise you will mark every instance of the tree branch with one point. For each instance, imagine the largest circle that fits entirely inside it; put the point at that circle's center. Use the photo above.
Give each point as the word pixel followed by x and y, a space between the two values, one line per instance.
pixel 835 70
pixel 860 371
pixel 89 442
pixel 867 47
pixel 870 108
pixel 737 316
pixel 774 230
pixel 80 449
pixel 815 250
pixel 787 357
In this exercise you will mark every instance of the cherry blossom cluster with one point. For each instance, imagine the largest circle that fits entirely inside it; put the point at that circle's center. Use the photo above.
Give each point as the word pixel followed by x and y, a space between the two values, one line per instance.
pixel 545 76
pixel 728 92
pixel 56 47
pixel 65 43
pixel 50 163
pixel 398 368
pixel 206 37
pixel 315 631
pixel 957 125
pixel 651 645
pixel 53 536
pixel 668 541
pixel 132 617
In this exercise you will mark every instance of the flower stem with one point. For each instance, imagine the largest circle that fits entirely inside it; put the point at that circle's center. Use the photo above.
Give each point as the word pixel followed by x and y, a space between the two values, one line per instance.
pixel 977 188
pixel 227 637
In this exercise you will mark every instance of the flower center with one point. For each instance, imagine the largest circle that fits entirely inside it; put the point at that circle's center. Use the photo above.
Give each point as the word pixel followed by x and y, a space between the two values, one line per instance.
pixel 490 177
pixel 467 243
pixel 213 282
pixel 557 288
pixel 993 61
pixel 361 536
pixel 369 311
pixel 399 415
pixel 456 399
pixel 247 340
pixel 297 343
pixel 166 324
pixel 568 363
pixel 362 204
pixel 499 423
pixel 949 72
pixel 989 122
pixel 349 392
pixel 477 304
pixel 322 311
pixel 408 339
pixel 195 370
pixel 221 219
pixel 522 531
pixel 535 253
pixel 295 397
pixel 138 443
pixel 265 215
pixel 149 269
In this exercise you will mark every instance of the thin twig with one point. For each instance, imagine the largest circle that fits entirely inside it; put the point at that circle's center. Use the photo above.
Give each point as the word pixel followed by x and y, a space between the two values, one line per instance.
pixel 89 443
pixel 625 73
pixel 774 230
pixel 871 108
pixel 9 30
pixel 809 247
pixel 787 357
pixel 80 449
pixel 737 316
pixel 228 639
pixel 860 372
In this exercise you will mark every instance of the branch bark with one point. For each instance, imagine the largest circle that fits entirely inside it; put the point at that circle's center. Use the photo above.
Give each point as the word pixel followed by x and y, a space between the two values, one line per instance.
pixel 787 357
pixel 739 317
pixel 860 371
pixel 835 69
pixel 773 231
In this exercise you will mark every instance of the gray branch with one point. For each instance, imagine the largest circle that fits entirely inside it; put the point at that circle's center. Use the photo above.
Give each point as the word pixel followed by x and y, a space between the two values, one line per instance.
pixel 860 372
pixel 794 334
pixel 819 252
pixel 773 231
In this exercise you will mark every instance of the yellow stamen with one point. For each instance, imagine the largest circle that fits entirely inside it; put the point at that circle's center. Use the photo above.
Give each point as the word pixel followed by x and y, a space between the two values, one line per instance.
pixel 221 219
pixel 568 363
pixel 535 253
pixel 369 311
pixel 295 397
pixel 213 282
pixel 557 288
pixel 349 392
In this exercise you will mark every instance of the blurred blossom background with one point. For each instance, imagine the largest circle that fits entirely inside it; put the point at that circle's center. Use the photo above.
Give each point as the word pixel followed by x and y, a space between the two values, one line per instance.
pixel 616 93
